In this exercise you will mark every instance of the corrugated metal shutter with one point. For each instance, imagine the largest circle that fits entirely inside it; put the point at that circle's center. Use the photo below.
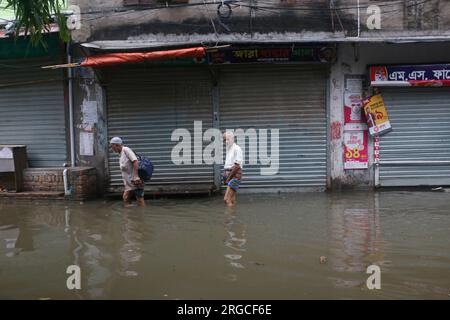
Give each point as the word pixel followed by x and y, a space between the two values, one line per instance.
pixel 290 98
pixel 417 151
pixel 32 110
pixel 145 105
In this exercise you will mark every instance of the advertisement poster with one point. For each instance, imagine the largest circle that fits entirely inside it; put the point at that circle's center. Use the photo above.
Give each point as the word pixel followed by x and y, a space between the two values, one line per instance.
pixel 376 115
pixel 354 118
pixel 353 112
pixel 355 148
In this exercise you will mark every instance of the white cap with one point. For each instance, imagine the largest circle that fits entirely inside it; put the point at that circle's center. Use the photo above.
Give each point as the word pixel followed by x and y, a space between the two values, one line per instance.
pixel 116 140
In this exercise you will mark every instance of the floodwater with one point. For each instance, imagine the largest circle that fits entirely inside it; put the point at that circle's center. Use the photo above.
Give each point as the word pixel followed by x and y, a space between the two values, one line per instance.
pixel 268 247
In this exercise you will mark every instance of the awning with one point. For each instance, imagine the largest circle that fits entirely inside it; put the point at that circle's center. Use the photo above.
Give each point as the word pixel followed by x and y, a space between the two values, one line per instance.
pixel 113 59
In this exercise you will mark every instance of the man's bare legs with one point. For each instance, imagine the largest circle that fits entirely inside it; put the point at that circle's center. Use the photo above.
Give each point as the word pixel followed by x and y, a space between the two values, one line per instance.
pixel 230 197
pixel 127 199
pixel 140 201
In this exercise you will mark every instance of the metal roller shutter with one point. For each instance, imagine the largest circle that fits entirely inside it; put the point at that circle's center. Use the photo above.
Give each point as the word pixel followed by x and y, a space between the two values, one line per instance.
pixel 290 98
pixel 417 151
pixel 145 105
pixel 32 110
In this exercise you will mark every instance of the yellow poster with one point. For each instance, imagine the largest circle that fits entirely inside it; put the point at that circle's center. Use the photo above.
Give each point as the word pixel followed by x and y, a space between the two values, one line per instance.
pixel 376 115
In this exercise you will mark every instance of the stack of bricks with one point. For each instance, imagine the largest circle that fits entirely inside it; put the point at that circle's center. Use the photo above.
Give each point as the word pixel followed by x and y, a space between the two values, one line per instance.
pixel 50 179
pixel 81 180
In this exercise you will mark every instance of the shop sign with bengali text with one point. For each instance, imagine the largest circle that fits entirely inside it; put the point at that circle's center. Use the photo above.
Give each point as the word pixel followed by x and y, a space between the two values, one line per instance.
pixel 429 75
pixel 273 55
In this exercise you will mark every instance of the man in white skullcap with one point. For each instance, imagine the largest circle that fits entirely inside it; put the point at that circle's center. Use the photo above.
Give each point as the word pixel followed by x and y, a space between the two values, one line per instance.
pixel 232 169
pixel 129 166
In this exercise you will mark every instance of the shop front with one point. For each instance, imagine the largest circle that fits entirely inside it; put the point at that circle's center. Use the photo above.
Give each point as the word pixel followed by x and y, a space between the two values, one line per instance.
pixel 146 104
pixel 32 107
pixel 417 150
pixel 286 99
pixel 274 98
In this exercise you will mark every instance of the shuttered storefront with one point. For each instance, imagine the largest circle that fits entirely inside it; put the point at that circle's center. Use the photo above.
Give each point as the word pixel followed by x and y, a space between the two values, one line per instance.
pixel 417 151
pixel 291 98
pixel 145 105
pixel 32 110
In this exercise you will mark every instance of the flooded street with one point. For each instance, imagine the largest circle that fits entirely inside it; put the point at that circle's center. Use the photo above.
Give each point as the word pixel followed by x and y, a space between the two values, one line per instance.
pixel 268 247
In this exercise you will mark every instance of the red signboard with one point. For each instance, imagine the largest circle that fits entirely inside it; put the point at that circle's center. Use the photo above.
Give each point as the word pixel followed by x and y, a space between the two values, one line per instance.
pixel 355 150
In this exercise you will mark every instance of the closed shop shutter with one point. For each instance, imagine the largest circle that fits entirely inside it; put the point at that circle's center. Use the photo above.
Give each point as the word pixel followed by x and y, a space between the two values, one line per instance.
pixel 417 151
pixel 285 97
pixel 145 105
pixel 32 110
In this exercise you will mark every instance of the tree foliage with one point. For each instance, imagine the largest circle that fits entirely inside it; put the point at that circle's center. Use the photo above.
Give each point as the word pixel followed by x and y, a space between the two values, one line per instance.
pixel 34 18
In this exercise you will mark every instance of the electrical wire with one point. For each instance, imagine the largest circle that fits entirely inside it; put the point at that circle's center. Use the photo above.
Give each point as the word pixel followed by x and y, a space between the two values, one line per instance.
pixel 322 12
pixel 212 23
pixel 314 12
pixel 319 13
pixel 140 8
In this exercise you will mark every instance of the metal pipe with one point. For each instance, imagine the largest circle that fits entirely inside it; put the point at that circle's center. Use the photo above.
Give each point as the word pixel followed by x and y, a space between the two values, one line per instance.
pixel 359 20
pixel 71 126
pixel 67 190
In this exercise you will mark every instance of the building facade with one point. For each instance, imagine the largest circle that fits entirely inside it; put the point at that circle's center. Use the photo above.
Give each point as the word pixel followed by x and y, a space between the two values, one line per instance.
pixel 283 70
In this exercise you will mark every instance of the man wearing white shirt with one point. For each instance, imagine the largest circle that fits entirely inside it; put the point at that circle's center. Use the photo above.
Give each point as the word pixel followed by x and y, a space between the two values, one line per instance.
pixel 129 166
pixel 232 168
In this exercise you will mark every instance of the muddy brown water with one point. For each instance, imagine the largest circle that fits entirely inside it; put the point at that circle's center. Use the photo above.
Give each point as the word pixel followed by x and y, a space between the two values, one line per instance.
pixel 268 247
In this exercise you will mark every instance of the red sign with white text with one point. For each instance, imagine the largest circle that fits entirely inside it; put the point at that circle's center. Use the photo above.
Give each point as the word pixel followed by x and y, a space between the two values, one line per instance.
pixel 355 150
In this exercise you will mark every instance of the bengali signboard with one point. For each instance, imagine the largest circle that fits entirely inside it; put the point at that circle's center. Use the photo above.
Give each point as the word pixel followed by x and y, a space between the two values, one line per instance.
pixel 376 115
pixel 430 75
pixel 355 150
pixel 273 55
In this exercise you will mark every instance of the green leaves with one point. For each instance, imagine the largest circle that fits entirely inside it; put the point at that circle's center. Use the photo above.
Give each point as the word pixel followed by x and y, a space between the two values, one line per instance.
pixel 34 18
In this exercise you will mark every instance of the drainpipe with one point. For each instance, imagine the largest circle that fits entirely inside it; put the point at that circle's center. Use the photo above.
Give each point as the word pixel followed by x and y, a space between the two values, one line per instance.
pixel 70 89
pixel 67 189
pixel 359 19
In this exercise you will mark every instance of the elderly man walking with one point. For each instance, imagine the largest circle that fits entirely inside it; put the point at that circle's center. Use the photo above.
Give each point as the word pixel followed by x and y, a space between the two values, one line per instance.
pixel 129 166
pixel 232 169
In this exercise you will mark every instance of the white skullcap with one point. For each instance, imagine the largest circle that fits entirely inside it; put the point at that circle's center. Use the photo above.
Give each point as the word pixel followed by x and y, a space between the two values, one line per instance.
pixel 116 140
